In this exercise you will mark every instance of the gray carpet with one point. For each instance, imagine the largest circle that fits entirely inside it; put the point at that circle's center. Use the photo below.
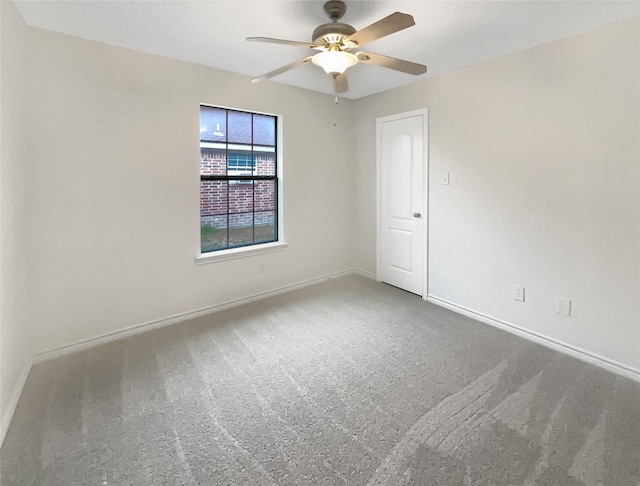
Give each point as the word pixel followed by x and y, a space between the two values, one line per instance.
pixel 347 382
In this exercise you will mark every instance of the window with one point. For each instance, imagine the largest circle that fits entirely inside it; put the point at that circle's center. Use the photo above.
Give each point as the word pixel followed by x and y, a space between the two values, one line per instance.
pixel 241 161
pixel 238 179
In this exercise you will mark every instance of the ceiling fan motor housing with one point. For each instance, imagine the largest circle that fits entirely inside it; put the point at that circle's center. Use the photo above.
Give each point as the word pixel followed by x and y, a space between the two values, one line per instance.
pixel 332 33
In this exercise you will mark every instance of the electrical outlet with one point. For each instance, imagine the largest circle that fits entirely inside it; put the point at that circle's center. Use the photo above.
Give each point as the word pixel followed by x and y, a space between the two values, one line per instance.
pixel 518 293
pixel 262 267
pixel 563 307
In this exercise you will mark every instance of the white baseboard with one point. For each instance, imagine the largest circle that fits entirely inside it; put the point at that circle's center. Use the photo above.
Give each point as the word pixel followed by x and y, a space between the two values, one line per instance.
pixel 581 354
pixel 364 273
pixel 167 321
pixel 7 413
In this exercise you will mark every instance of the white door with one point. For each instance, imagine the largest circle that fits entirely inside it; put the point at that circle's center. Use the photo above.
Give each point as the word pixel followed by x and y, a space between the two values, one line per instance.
pixel 401 201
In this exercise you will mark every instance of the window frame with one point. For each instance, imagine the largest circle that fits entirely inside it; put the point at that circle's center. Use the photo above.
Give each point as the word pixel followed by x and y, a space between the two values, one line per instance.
pixel 242 251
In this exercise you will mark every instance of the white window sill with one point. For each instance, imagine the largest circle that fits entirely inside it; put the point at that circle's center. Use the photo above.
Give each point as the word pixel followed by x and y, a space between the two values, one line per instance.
pixel 235 253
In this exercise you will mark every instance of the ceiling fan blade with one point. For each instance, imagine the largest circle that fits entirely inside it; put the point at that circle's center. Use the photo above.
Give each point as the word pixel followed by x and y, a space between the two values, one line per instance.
pixel 281 70
pixel 393 23
pixel 392 63
pixel 270 40
pixel 342 84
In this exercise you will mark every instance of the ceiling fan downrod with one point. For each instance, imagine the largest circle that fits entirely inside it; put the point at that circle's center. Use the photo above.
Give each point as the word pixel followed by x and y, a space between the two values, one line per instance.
pixel 335 9
pixel 334 32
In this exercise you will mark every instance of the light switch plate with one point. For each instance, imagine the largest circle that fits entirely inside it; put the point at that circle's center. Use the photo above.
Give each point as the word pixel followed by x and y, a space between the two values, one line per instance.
pixel 445 179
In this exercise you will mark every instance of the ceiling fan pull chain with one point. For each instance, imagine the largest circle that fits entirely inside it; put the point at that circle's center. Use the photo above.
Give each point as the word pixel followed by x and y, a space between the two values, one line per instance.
pixel 335 93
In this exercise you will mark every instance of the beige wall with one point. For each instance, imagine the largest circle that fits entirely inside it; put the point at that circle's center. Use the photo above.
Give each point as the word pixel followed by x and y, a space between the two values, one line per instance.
pixel 115 203
pixel 15 338
pixel 544 154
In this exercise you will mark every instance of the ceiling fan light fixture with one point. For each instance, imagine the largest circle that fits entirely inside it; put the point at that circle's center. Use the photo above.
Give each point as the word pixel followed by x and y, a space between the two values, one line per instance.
pixel 334 62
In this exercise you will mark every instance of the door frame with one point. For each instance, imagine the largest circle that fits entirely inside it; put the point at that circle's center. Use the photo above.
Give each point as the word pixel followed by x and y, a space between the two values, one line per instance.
pixel 424 112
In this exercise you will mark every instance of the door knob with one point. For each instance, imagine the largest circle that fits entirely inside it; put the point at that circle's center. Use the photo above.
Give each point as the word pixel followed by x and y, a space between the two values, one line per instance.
pixel 417 215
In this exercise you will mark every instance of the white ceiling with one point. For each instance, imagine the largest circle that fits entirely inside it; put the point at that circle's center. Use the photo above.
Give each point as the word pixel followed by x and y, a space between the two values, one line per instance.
pixel 448 35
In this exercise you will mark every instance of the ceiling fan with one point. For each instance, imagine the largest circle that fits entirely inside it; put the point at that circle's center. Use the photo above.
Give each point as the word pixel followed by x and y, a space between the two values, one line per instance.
pixel 335 40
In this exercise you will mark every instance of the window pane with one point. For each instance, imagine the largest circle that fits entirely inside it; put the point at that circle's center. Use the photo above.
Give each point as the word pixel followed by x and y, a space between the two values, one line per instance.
pixel 240 196
pixel 239 127
pixel 213 124
pixel 265 163
pixel 212 161
pixel 265 195
pixel 264 130
pixel 213 233
pixel 240 229
pixel 213 198
pixel 265 226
